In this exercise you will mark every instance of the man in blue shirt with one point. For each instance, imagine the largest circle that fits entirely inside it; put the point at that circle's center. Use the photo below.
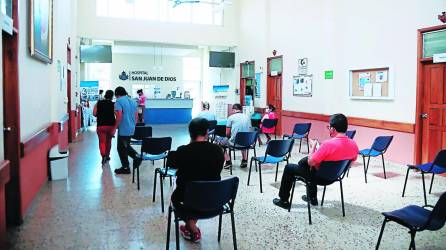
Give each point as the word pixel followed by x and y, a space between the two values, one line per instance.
pixel 126 117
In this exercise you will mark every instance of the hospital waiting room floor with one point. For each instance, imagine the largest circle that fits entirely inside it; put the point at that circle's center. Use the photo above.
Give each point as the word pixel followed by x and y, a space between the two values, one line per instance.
pixel 96 209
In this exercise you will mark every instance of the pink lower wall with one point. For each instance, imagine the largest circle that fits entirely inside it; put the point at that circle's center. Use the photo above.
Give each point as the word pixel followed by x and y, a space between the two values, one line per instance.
pixel 401 149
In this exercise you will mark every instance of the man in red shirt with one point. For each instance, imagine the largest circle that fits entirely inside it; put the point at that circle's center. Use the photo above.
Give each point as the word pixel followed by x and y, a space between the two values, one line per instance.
pixel 339 147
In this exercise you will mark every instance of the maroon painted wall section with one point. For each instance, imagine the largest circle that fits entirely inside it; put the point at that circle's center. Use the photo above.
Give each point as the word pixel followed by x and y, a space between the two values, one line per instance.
pixel 34 161
pixel 400 151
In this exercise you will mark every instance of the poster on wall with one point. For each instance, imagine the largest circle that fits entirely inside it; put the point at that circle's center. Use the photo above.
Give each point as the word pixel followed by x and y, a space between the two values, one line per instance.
pixel 364 78
pixel 221 100
pixel 89 91
pixel 302 67
pixel 6 16
pixel 41 26
pixel 258 84
pixel 302 85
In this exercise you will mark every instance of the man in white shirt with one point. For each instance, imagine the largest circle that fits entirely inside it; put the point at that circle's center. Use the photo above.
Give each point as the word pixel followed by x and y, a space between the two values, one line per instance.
pixel 237 122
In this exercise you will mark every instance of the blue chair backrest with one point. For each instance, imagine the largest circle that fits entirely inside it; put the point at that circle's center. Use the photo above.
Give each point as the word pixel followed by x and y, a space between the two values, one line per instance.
pixel 440 159
pixel 331 171
pixel 350 134
pixel 212 124
pixel 438 216
pixel 269 123
pixel 210 195
pixel 142 132
pixel 156 145
pixel 245 139
pixel 255 123
pixel 381 143
pixel 278 148
pixel 301 128
pixel 220 130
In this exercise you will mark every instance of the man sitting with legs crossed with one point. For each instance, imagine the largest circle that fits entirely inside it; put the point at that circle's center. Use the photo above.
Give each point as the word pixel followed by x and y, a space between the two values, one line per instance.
pixel 339 147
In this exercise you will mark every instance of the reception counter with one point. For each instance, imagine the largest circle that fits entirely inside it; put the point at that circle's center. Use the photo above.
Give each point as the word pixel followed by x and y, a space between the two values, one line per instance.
pixel 168 111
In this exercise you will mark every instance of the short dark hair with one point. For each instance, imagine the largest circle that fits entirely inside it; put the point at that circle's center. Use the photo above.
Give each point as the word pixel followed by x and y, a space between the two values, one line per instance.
pixel 271 107
pixel 120 91
pixel 205 105
pixel 108 94
pixel 237 106
pixel 101 91
pixel 339 123
pixel 198 127
pixel 139 91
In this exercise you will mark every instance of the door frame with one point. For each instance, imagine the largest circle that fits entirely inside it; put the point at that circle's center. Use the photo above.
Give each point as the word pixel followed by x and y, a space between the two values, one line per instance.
pixel 419 147
pixel 268 82
pixel 243 84
pixel 11 119
pixel 69 112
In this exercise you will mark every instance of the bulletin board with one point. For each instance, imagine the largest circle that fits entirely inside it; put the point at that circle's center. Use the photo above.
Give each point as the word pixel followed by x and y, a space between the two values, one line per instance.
pixel 372 83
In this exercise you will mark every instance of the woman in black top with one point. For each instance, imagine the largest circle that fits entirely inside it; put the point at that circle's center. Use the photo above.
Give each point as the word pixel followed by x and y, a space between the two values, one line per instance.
pixel 104 110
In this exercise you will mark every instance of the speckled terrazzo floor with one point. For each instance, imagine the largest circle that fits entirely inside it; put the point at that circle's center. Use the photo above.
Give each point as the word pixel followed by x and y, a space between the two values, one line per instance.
pixel 95 209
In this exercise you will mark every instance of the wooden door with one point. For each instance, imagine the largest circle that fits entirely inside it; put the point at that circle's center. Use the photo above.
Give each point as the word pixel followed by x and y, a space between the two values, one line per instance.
pixel 70 114
pixel 434 110
pixel 274 93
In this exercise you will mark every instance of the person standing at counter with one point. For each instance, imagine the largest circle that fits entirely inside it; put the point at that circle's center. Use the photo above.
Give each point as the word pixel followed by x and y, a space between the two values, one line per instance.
pixel 141 105
pixel 126 116
pixel 205 113
pixel 104 111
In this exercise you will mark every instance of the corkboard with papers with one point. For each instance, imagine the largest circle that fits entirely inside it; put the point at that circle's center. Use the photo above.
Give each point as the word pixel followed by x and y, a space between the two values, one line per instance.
pixel 372 83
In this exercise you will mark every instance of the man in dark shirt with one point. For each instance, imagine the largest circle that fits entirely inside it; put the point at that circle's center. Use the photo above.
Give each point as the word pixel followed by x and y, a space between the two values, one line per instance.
pixel 200 160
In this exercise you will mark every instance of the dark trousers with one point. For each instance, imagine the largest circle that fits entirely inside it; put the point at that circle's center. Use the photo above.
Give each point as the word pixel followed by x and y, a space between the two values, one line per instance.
pixel 125 150
pixel 291 170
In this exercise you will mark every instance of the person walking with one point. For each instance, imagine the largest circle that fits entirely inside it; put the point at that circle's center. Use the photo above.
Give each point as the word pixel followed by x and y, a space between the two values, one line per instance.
pixel 105 114
pixel 126 116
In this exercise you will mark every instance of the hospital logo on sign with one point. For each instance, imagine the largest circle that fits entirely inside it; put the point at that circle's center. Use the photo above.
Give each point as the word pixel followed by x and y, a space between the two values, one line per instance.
pixel 123 76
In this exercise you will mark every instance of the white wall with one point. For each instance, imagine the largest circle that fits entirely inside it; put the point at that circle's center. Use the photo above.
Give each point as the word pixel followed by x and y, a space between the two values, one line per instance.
pixel 341 35
pixel 92 26
pixel 41 97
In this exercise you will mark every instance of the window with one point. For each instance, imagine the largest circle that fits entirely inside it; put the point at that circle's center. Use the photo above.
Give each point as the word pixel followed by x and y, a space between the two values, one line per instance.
pixel 206 12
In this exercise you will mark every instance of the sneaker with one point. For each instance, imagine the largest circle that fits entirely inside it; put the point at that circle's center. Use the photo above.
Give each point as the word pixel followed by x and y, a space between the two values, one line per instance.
pixel 137 162
pixel 228 164
pixel 244 164
pixel 185 233
pixel 283 204
pixel 122 170
pixel 196 237
pixel 313 201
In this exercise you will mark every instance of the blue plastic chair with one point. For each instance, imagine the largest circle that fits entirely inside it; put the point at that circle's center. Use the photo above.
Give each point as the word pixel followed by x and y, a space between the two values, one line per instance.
pixel 167 170
pixel 211 129
pixel 300 131
pixel 417 219
pixel 153 149
pixel 270 123
pixel 438 166
pixel 329 172
pixel 276 152
pixel 205 200
pixel 378 148
pixel 242 141
pixel 350 134
pixel 141 132
pixel 218 133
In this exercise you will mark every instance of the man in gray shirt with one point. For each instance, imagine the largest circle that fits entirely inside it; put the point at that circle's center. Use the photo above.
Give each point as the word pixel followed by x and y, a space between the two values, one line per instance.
pixel 237 122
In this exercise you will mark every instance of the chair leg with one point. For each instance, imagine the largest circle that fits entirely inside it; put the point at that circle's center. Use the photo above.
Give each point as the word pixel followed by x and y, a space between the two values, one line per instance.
pixel 255 155
pixel 365 171
pixel 154 185
pixel 292 194
pixel 234 238
pixel 260 177
pixel 249 173
pixel 137 177
pixel 342 199
pixel 432 182
pixel 412 240
pixel 177 233
pixel 277 170
pixel 323 196
pixel 308 145
pixel 405 181
pixel 384 167
pixel 230 168
pixel 153 163
pixel 219 227
pixel 348 171
pixel 300 144
pixel 162 192
pixel 170 179
pixel 308 204
pixel 133 176
pixel 169 221
pixel 424 188
pixel 381 233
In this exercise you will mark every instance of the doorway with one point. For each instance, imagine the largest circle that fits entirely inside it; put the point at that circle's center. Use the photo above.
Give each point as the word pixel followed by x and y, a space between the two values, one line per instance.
pixel 430 122
pixel 11 119
pixel 247 83
pixel 274 87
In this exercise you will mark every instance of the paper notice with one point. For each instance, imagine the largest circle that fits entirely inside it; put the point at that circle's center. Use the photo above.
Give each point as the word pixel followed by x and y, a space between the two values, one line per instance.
pixel 381 76
pixel 364 78
pixel 377 89
pixel 368 89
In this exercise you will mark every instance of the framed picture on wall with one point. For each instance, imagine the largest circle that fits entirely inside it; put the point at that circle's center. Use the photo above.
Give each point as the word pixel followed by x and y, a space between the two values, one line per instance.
pixel 6 11
pixel 41 27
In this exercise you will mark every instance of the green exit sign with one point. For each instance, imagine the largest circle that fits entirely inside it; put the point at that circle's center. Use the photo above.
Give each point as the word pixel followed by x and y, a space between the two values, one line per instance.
pixel 328 74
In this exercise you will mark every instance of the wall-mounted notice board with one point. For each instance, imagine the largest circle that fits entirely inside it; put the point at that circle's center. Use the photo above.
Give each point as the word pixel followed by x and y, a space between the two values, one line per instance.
pixel 373 83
